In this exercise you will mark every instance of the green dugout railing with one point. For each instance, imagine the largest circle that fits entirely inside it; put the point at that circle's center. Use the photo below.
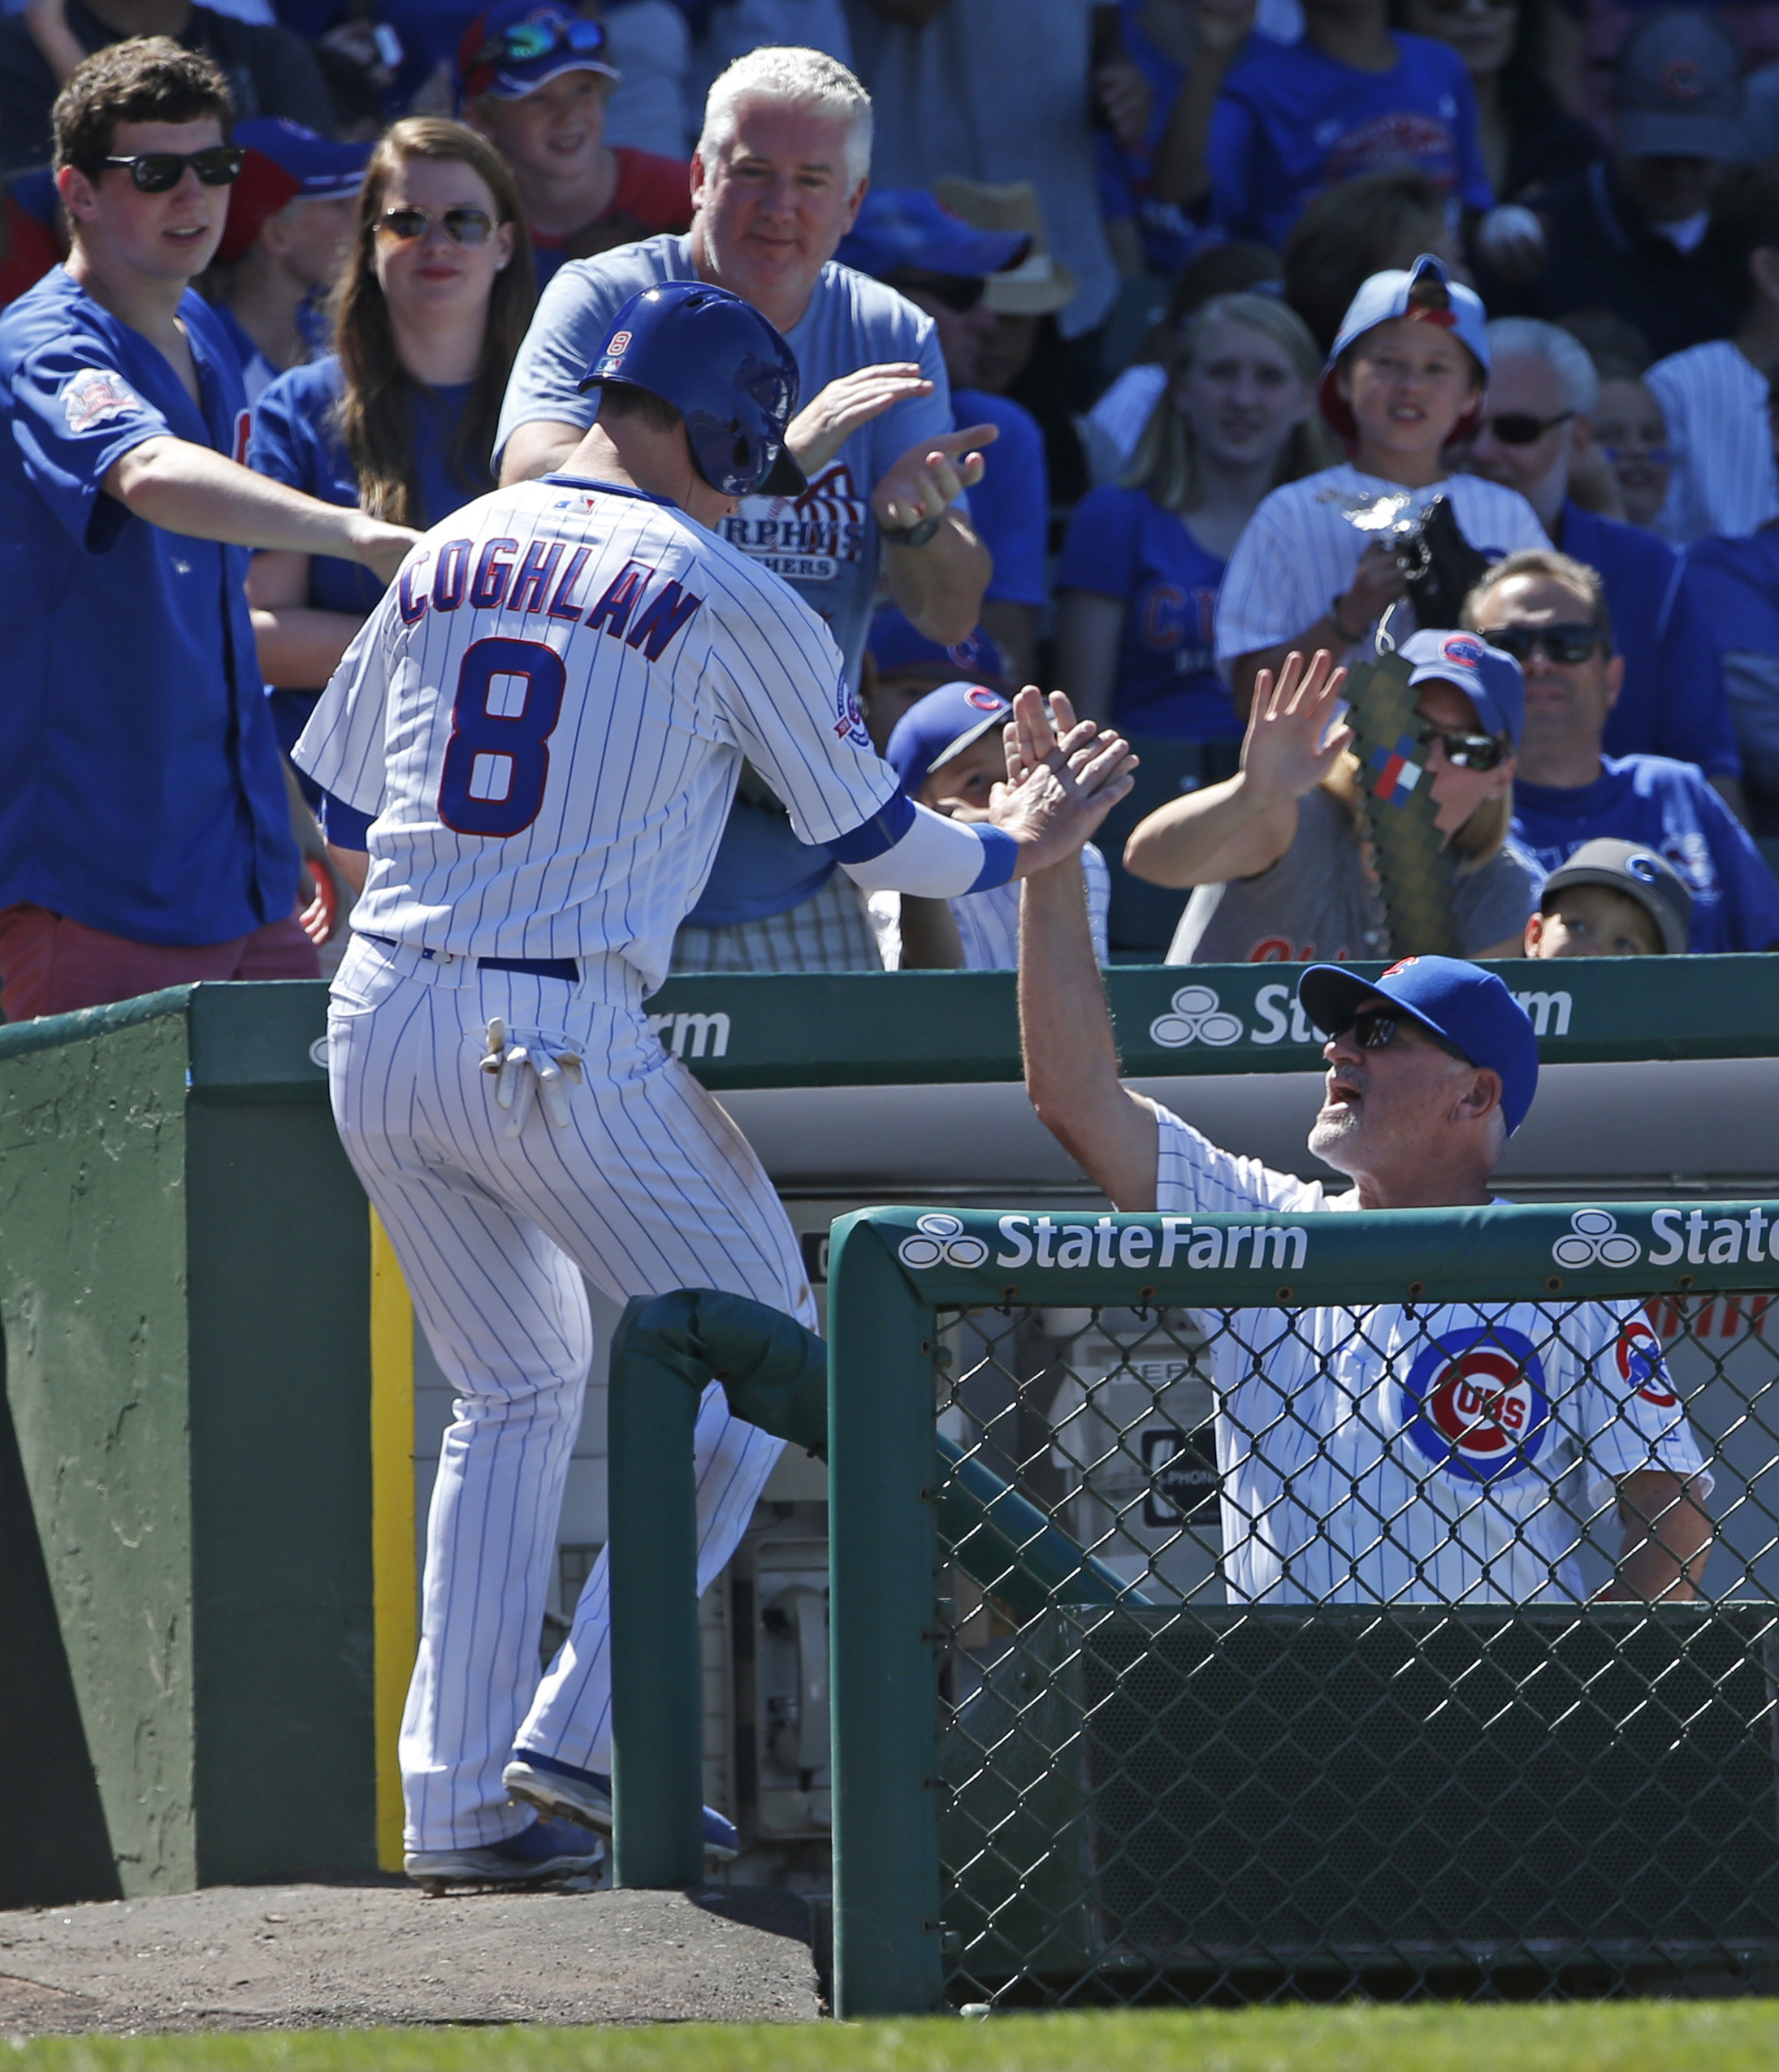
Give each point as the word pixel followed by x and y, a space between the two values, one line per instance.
pixel 901 1281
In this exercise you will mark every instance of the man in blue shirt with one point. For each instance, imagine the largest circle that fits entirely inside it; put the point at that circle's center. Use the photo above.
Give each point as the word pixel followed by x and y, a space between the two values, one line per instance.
pixel 1351 97
pixel 777 178
pixel 1543 390
pixel 145 833
pixel 1550 613
pixel 905 237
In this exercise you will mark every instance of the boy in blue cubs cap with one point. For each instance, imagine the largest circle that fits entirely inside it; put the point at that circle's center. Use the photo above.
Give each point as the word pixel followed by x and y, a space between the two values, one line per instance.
pixel 1416 1453
pixel 948 750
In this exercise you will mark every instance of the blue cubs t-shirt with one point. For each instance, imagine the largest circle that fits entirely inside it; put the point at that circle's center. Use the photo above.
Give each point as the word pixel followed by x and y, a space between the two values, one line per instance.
pixel 1673 701
pixel 143 794
pixel 1009 507
pixel 1668 807
pixel 1121 543
pixel 1292 121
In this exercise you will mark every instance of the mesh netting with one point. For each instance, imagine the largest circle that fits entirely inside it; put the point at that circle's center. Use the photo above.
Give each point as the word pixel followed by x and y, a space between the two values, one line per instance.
pixel 1439 1654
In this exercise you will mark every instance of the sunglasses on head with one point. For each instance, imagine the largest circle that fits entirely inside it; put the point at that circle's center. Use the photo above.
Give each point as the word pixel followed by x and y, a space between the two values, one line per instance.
pixel 1520 428
pixel 959 292
pixel 1465 751
pixel 1565 645
pixel 524 42
pixel 462 226
pixel 157 172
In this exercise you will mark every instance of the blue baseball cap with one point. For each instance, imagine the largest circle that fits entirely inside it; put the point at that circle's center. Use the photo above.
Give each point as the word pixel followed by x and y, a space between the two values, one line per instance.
pixel 516 48
pixel 906 230
pixel 943 724
pixel 284 163
pixel 1492 680
pixel 897 648
pixel 1427 292
pixel 1462 1004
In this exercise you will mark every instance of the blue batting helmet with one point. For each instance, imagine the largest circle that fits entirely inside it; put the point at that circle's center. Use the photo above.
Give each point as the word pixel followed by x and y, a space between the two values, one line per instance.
pixel 723 368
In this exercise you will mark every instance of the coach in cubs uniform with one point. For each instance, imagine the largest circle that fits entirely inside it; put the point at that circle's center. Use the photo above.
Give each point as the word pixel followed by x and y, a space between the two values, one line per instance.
pixel 544 719
pixel 1444 1453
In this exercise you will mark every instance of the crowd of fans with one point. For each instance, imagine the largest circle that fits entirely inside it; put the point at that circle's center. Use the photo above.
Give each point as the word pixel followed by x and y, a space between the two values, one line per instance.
pixel 1145 347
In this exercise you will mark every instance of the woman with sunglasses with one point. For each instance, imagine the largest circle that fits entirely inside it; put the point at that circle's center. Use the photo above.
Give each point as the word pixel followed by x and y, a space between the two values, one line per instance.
pixel 399 419
pixel 1403 388
pixel 1278 855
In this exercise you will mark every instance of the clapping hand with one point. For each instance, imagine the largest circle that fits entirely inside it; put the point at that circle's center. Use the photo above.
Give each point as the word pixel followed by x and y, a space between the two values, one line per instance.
pixel 834 413
pixel 929 478
pixel 1294 738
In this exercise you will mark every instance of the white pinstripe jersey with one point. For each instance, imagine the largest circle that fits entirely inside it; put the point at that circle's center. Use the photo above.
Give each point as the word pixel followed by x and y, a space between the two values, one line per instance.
pixel 1451 1452
pixel 1299 551
pixel 547 713
pixel 1724 480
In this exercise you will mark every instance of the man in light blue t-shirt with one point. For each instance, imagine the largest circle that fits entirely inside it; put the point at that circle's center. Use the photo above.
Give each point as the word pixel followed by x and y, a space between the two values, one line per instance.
pixel 777 180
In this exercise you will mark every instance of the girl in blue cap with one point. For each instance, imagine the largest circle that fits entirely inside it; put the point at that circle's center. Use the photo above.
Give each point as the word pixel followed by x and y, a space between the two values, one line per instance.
pixel 1403 385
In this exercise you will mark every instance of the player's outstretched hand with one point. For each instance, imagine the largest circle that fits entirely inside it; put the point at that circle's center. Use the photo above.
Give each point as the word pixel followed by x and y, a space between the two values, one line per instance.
pixel 930 476
pixel 1063 780
pixel 830 417
pixel 383 548
pixel 1294 738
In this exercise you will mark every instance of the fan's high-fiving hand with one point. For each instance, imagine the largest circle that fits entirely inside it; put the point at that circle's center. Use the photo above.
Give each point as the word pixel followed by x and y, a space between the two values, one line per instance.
pixel 834 413
pixel 1063 780
pixel 1294 736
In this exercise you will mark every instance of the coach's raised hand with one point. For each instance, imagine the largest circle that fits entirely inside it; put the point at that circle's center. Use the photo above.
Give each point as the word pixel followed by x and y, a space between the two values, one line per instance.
pixel 1063 780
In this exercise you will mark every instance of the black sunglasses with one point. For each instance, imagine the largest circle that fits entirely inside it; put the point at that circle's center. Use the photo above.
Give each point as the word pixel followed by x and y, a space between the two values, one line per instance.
pixel 462 226
pixel 1565 645
pixel 1376 1028
pixel 1520 428
pixel 155 172
pixel 1465 751
pixel 959 292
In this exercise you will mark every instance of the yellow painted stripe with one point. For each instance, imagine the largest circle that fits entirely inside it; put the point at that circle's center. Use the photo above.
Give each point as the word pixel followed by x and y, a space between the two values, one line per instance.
pixel 394 1585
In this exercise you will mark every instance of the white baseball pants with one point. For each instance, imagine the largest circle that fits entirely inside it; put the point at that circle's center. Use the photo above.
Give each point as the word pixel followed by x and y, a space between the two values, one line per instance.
pixel 649 1187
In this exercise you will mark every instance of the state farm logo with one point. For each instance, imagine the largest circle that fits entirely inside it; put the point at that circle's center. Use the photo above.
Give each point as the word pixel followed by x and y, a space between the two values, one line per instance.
pixel 1195 1016
pixel 941 1240
pixel 1594 1238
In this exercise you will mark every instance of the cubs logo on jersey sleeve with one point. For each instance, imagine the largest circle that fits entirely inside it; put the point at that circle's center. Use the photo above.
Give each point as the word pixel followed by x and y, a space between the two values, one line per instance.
pixel 1475 1403
pixel 1636 1353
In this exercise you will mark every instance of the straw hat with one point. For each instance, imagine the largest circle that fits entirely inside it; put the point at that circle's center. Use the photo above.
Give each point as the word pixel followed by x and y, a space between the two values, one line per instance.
pixel 1041 284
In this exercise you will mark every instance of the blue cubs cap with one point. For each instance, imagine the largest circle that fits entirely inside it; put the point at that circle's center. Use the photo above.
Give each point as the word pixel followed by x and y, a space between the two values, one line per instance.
pixel 906 230
pixel 898 648
pixel 723 368
pixel 1462 1004
pixel 1492 681
pixel 514 48
pixel 943 724
pixel 1428 293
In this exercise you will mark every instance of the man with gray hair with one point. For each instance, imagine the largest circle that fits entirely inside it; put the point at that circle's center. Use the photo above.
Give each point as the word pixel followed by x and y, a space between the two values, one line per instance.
pixel 1543 389
pixel 777 177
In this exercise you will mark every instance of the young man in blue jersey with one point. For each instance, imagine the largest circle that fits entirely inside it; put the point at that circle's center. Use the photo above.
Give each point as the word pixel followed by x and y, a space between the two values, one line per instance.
pixel 145 836
pixel 1549 612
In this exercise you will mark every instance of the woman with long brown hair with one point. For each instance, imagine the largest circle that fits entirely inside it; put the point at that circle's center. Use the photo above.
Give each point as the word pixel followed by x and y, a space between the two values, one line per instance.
pixel 400 419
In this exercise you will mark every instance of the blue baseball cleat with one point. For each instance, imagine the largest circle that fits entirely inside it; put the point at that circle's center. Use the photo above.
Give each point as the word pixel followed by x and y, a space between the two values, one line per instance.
pixel 560 1792
pixel 547 1848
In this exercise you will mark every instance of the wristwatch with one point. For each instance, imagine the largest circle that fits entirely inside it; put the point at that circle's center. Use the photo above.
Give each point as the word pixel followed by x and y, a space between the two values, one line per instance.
pixel 914 535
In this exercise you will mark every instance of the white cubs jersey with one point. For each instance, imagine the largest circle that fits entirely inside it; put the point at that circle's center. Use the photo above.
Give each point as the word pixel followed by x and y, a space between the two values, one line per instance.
pixel 545 715
pixel 1452 1453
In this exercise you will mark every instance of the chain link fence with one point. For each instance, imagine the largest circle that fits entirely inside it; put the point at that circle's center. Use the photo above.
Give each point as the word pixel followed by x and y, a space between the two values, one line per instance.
pixel 1442 1654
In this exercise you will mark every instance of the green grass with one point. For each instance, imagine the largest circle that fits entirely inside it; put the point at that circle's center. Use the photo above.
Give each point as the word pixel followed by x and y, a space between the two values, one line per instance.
pixel 1633 2036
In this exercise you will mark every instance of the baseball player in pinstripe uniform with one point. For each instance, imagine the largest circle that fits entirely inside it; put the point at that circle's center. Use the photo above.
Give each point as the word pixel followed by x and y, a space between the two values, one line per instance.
pixel 543 721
